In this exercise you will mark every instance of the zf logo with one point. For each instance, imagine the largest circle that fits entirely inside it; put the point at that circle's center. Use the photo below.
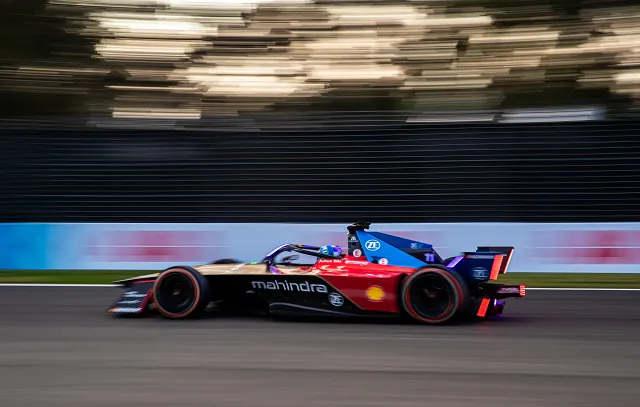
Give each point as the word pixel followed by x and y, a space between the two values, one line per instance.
pixel 480 272
pixel 372 245
pixel 336 299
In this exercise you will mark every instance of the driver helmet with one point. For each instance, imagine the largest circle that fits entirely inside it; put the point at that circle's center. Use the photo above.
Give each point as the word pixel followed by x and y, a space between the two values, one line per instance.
pixel 331 250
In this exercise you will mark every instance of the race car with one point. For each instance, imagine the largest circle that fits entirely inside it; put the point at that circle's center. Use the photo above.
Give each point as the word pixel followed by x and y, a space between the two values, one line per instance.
pixel 380 275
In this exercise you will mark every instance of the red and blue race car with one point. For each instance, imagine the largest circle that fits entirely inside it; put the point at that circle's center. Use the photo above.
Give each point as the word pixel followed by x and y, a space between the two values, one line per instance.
pixel 380 275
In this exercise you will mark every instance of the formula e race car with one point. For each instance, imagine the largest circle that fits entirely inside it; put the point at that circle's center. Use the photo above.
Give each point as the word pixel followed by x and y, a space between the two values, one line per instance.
pixel 380 275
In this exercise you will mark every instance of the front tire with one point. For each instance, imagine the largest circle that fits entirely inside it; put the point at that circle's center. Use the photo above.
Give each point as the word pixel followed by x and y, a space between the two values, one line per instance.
pixel 434 295
pixel 181 292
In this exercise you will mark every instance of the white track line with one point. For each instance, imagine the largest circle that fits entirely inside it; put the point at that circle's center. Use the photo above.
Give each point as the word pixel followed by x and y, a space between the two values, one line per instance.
pixel 117 285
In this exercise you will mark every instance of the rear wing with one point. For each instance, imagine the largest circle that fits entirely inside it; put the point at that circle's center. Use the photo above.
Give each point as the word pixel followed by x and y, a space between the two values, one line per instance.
pixel 494 258
pixel 501 261
pixel 506 251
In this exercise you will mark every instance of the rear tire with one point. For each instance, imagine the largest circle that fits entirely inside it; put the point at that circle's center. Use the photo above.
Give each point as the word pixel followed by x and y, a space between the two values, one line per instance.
pixel 181 292
pixel 434 295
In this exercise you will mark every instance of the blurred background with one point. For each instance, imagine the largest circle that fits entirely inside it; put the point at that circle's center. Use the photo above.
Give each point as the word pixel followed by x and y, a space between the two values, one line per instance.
pixel 200 59
pixel 142 134
pixel 293 111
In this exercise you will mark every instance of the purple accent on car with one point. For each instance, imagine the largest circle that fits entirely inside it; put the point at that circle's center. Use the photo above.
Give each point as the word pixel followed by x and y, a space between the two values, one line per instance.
pixel 277 250
pixel 455 261
pixel 274 270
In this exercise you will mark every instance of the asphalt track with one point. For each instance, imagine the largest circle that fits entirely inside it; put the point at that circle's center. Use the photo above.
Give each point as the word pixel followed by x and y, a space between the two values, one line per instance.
pixel 58 348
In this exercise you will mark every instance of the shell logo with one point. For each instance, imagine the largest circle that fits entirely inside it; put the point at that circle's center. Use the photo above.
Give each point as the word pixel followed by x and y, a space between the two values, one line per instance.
pixel 375 293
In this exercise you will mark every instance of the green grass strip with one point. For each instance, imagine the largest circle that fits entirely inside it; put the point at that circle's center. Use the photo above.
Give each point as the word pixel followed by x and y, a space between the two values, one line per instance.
pixel 581 280
pixel 67 277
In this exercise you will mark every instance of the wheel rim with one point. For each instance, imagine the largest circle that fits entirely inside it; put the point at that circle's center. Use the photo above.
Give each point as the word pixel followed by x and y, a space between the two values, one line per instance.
pixel 432 296
pixel 176 293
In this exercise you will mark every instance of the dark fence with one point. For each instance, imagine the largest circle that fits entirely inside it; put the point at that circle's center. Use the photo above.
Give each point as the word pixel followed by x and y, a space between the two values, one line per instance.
pixel 308 169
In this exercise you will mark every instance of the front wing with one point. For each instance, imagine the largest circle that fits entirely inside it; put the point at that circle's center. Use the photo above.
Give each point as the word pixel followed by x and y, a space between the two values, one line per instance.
pixel 135 299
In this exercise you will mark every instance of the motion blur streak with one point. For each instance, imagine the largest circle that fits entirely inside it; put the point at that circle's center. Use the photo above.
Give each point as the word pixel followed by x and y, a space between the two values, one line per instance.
pixel 58 349
pixel 189 59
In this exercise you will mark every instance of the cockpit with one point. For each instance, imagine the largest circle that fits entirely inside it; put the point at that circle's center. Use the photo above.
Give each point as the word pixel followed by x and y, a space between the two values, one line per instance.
pixel 299 255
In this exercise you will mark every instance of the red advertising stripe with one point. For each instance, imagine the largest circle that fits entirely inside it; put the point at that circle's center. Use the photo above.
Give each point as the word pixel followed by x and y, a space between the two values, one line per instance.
pixel 588 246
pixel 588 255
pixel 153 245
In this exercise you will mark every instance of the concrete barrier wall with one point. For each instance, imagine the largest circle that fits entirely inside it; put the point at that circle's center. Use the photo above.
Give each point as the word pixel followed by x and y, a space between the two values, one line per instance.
pixel 571 247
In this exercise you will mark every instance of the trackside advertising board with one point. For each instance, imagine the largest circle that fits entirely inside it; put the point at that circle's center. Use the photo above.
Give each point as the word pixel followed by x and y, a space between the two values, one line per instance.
pixel 601 247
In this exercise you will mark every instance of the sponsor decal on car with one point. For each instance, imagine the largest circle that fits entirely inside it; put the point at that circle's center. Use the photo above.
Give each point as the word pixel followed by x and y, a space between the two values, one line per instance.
pixel 357 253
pixel 287 286
pixel 336 299
pixel 332 268
pixel 480 273
pixel 372 245
pixel 134 294
pixel 358 262
pixel 481 256
pixel 509 290
pixel 383 261
pixel 375 293
pixel 130 302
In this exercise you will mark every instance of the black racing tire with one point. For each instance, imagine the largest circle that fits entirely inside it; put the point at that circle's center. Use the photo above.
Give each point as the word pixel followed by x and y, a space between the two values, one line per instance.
pixel 434 295
pixel 181 292
pixel 226 261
